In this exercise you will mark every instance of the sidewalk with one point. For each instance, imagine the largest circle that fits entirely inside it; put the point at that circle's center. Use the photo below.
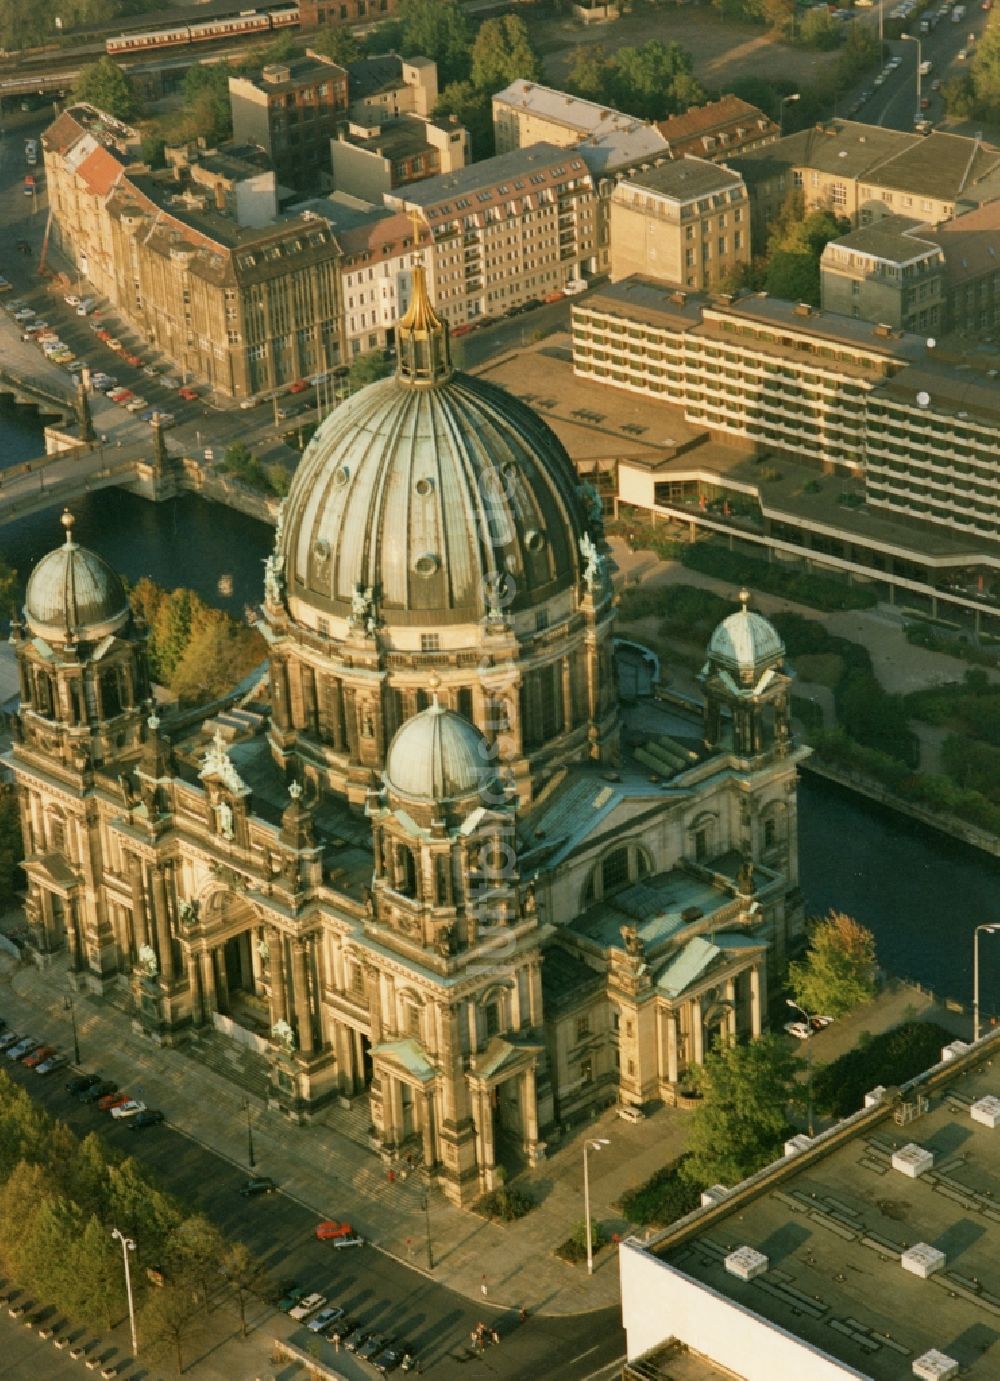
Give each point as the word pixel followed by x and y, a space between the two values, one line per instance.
pixel 325 1167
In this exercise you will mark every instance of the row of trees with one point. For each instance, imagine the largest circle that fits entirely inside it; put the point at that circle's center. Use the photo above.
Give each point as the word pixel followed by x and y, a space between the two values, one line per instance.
pixel 24 24
pixel 651 82
pixel 197 651
pixel 60 1197
pixel 976 91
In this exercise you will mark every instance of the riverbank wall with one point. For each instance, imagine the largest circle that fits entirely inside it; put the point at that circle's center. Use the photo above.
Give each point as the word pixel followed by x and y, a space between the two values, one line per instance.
pixel 875 791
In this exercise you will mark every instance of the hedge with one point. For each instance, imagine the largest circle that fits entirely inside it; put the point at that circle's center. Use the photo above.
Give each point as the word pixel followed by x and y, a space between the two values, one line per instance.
pixel 893 1057
pixel 805 587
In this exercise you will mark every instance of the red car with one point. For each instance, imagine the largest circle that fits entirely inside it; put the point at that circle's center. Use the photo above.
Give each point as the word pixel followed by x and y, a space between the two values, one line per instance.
pixel 188 394
pixel 113 1100
pixel 37 1056
pixel 134 360
pixel 299 386
pixel 329 1231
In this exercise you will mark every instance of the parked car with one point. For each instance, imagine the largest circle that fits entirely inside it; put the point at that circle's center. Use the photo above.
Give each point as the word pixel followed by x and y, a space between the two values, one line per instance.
pixel 53 1063
pixel 85 307
pixel 77 366
pixel 71 300
pixel 291 1298
pixel 188 394
pixel 130 1108
pixel 81 1082
pixel 25 314
pixel 329 1230
pixel 260 1184
pixel 165 420
pixel 24 1047
pixel 39 1055
pixel 148 1117
pixel 136 404
pixel 798 1029
pixel 306 1306
pixel 819 1022
pixel 104 1088
pixel 320 1322
pixel 112 1100
pixel 388 1359
pixel 299 386
pixel 372 1346
pixel 8 1039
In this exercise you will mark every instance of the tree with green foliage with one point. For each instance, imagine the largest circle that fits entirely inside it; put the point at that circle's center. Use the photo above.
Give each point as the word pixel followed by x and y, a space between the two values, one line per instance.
pixel 108 87
pixel 839 970
pixel 194 1255
pixel 206 101
pixel 139 1209
pixel 985 71
pixel 11 844
pixel 170 1322
pixel 437 29
pixel 741 1120
pixel 589 73
pixel 220 653
pixel 794 248
pixel 643 79
pixel 247 1274
pixel 502 53
pixel 473 109
pixel 366 369
pixel 338 42
pixel 819 29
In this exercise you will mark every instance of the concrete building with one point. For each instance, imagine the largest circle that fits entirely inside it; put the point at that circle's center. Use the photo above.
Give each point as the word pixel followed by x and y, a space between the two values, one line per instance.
pixel 437 823
pixel 292 110
pixel 374 157
pixel 888 271
pixel 970 244
pixel 379 256
pixel 526 113
pixel 322 14
pixel 508 229
pixel 387 86
pixel 191 258
pixel 865 172
pixel 718 129
pixel 686 222
pixel 867 1252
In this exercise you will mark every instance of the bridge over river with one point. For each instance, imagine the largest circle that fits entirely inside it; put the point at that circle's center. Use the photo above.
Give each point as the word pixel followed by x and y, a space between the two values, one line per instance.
pixel 65 475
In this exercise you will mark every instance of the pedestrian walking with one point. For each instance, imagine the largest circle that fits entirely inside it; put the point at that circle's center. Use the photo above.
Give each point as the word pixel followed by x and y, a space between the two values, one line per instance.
pixel 484 1288
pixel 335 1339
pixel 522 1314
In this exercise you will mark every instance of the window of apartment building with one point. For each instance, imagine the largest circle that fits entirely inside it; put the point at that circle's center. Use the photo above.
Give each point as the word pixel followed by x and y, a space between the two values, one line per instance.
pixel 582 1027
pixel 689 258
pixel 738 239
pixel 631 1069
pixel 722 246
pixel 838 194
pixel 738 214
pixel 855 289
pixel 586 1071
pixel 430 642
pixel 796 178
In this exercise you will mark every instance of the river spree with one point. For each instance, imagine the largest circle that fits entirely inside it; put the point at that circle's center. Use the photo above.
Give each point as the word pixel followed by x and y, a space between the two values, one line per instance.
pixel 919 891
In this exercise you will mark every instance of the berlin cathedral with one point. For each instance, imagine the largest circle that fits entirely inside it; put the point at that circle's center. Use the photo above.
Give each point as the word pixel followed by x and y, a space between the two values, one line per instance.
pixel 437 864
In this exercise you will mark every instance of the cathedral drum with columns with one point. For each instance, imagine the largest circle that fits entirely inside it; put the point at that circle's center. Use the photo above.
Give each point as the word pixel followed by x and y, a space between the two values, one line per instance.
pixel 435 870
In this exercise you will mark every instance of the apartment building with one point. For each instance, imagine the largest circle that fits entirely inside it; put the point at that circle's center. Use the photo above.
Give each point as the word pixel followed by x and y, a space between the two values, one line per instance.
pixel 511 228
pixel 375 156
pixel 182 255
pixel 888 271
pixel 387 86
pixel 718 129
pixel 526 113
pixel 325 13
pixel 292 110
pixel 379 254
pixel 686 222
pixel 785 377
pixel 971 248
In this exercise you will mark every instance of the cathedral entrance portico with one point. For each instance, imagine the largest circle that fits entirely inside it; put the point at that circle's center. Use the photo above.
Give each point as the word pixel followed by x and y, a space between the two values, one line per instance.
pixel 503 1088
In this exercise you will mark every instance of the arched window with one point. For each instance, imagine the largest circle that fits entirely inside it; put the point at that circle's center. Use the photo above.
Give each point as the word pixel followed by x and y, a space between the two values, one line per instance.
pixel 406 872
pixel 619 867
pixel 614 871
pixel 703 842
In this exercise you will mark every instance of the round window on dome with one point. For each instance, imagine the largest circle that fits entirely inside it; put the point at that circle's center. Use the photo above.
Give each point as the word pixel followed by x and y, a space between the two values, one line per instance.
pixel 341 476
pixel 427 564
pixel 321 550
pixel 534 540
pixel 424 486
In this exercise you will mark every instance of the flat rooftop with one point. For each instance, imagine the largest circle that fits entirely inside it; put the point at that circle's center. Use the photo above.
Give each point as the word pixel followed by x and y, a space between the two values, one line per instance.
pixel 834 1230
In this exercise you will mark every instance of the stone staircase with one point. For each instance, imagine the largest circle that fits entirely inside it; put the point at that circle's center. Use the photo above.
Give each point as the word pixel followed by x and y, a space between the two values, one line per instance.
pixel 235 1063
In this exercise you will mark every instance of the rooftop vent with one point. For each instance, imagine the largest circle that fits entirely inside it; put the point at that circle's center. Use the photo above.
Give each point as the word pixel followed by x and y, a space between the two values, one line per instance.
pixel 912 1160
pixel 875 1096
pixel 935 1366
pixel 987 1111
pixel 678 298
pixel 714 1194
pixel 883 331
pixel 957 1048
pixel 746 1263
pixel 276 72
pixel 923 1260
pixel 801 1142
pixel 803 309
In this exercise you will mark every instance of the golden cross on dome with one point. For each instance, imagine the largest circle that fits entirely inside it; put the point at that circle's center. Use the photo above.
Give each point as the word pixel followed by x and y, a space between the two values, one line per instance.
pixel 417 222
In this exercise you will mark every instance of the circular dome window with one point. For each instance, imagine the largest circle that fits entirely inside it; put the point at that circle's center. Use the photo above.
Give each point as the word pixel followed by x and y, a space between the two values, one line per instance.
pixel 341 476
pixel 424 486
pixel 427 564
pixel 534 540
pixel 322 549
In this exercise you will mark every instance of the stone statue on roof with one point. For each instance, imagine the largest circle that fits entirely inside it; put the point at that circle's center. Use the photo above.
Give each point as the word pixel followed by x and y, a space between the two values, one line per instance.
pixel 633 941
pixel 593 569
pixel 362 608
pixel 217 763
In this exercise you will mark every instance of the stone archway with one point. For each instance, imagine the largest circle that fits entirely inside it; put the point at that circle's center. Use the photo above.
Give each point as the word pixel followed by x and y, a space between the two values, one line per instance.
pixel 226 952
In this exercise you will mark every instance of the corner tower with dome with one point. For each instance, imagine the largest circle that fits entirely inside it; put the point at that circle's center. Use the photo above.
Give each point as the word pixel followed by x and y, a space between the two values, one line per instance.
pixel 434 880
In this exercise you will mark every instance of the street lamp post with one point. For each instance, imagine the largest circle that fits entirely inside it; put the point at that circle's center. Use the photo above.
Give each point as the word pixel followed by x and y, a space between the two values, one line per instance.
pixel 991 930
pixel 596 1143
pixel 250 1155
pixel 427 1228
pixel 912 38
pixel 128 1246
pixel 809 1063
pixel 69 1007
pixel 795 96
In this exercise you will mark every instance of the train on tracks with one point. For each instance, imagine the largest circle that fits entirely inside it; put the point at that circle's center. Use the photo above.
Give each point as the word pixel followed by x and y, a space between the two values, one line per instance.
pixel 247 22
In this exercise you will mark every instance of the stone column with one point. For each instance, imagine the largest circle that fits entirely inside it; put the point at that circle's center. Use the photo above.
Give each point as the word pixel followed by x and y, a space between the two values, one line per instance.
pixel 755 1001
pixel 222 981
pixel 427 1127
pixel 198 1010
pixel 486 1139
pixel 209 998
pixel 697 1031
pixel 731 1011
pixel 300 989
pixel 279 985
pixel 567 694
pixel 344 1046
pixel 529 1097
pixel 140 924
pixel 162 919
pixel 672 1062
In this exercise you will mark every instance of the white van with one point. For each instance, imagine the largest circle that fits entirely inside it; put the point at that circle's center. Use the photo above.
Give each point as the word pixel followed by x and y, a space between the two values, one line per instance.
pixel 31 152
pixel 85 306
